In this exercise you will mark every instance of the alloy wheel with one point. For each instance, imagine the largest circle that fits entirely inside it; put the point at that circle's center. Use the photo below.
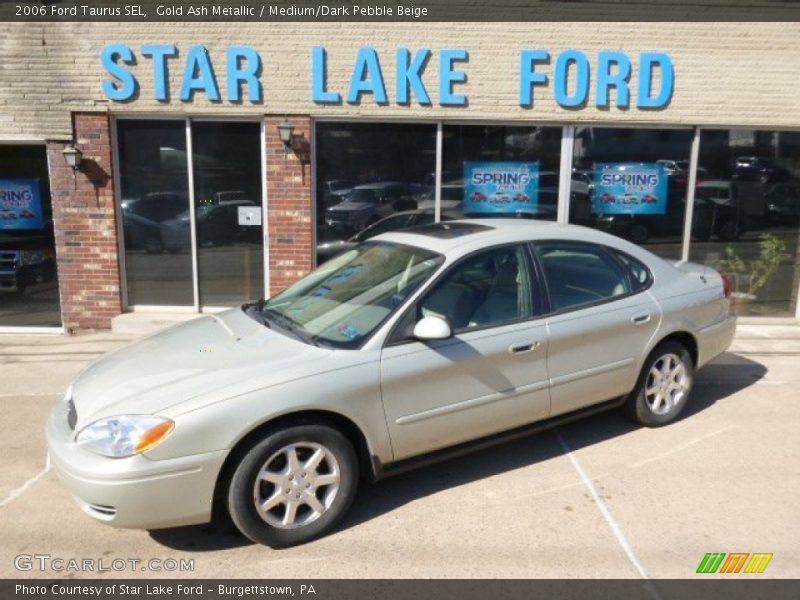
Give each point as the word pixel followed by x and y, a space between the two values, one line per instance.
pixel 668 382
pixel 296 485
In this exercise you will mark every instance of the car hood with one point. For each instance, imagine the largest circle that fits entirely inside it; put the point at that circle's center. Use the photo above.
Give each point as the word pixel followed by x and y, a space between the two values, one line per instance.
pixel 227 351
pixel 349 205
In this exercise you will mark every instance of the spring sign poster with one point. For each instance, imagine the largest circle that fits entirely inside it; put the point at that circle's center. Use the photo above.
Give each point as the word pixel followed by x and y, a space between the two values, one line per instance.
pixel 501 187
pixel 630 188
pixel 20 204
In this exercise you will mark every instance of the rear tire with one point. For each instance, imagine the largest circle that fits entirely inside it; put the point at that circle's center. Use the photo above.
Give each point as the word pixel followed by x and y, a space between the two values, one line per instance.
pixel 293 485
pixel 663 387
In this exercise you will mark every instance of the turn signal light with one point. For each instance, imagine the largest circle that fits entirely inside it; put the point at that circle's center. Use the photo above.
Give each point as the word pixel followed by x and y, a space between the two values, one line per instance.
pixel 154 435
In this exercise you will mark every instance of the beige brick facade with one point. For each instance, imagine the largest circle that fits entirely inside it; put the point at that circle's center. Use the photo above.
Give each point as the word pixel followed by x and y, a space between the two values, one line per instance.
pixel 727 74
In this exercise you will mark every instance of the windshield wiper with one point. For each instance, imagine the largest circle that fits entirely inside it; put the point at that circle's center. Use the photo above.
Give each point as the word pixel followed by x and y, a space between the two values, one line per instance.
pixel 253 310
pixel 288 324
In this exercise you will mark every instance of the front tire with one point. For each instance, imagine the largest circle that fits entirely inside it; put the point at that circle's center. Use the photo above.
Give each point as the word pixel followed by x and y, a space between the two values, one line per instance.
pixel 293 485
pixel 664 385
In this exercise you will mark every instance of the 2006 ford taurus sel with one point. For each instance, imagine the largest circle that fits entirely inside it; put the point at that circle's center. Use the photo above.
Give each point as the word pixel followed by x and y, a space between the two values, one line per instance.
pixel 409 347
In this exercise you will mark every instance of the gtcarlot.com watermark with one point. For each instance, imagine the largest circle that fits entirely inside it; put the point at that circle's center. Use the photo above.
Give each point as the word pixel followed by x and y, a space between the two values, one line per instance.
pixel 58 564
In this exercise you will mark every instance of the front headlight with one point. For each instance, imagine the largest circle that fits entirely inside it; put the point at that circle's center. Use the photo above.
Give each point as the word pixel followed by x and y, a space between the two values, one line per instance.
pixel 32 257
pixel 124 435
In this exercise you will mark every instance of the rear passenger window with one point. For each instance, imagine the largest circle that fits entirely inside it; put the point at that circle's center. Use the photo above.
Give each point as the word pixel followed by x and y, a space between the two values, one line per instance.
pixel 580 274
pixel 640 275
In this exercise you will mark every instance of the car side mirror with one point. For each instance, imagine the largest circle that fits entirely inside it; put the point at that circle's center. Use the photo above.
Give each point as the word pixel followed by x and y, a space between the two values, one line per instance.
pixel 432 328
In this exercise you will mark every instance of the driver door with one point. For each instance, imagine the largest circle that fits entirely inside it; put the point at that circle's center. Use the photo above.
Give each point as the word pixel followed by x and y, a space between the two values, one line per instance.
pixel 491 375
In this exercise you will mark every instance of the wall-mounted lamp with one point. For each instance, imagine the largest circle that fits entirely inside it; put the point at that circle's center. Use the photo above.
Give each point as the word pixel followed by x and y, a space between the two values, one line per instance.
pixel 286 133
pixel 73 157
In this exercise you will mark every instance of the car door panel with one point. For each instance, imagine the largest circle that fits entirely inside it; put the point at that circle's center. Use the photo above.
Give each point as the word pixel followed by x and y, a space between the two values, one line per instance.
pixel 491 375
pixel 594 352
pixel 602 323
pixel 444 392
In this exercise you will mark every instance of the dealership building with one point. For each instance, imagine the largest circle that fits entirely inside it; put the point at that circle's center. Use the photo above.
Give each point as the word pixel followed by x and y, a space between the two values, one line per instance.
pixel 168 167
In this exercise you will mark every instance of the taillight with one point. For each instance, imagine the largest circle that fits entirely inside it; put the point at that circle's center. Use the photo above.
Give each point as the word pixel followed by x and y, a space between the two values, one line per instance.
pixel 726 284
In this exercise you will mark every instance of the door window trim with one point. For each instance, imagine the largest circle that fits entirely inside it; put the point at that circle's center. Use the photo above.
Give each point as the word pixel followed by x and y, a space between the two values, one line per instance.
pixel 536 297
pixel 609 252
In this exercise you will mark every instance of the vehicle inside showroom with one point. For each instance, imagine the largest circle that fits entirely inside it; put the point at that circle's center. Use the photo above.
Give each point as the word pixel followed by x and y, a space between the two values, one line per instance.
pixel 215 170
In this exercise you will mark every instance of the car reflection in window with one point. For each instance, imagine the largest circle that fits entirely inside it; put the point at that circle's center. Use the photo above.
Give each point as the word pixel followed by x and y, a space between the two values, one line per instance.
pixel 347 298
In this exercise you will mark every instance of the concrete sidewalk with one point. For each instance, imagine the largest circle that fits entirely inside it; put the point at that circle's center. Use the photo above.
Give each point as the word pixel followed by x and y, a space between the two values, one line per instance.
pixel 597 498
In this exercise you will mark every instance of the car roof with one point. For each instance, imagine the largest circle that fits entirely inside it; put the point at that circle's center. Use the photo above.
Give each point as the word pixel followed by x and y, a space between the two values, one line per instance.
pixel 715 183
pixel 476 234
pixel 376 184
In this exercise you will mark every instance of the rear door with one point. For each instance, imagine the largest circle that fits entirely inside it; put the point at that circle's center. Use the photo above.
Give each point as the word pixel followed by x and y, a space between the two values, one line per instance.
pixel 601 321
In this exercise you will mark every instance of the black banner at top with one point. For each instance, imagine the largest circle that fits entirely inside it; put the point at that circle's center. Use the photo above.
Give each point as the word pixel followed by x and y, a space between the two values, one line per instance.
pixel 180 11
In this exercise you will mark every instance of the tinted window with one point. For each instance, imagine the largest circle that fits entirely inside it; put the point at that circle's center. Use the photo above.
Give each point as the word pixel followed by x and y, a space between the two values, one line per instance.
pixel 489 288
pixel 636 186
pixel 579 274
pixel 639 274
pixel 369 171
pixel 746 217
pixel 154 194
pixel 227 174
pixel 469 151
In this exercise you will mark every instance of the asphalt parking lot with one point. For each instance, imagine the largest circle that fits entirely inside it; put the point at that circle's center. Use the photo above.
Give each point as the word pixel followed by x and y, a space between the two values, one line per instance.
pixel 597 498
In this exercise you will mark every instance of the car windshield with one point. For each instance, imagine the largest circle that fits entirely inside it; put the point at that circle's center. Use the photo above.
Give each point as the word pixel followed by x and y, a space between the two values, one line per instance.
pixel 712 193
pixel 340 185
pixel 392 223
pixel 364 195
pixel 346 299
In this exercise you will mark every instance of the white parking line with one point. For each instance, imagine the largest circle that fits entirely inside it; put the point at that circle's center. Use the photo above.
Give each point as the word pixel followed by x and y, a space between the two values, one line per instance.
pixel 682 446
pixel 22 489
pixel 615 528
pixel 32 394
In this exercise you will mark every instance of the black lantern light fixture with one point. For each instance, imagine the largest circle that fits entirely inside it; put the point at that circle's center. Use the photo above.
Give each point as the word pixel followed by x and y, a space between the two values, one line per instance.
pixel 286 133
pixel 73 157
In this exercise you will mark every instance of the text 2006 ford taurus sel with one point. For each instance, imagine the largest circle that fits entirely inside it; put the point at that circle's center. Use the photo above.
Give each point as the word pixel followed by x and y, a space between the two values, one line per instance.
pixel 405 348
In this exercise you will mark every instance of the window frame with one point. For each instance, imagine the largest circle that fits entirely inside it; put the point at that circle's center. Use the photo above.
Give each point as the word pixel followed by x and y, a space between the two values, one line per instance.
pixel 537 297
pixel 609 252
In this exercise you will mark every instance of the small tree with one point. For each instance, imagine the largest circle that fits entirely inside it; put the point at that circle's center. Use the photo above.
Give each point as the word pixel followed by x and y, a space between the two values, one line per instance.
pixel 758 271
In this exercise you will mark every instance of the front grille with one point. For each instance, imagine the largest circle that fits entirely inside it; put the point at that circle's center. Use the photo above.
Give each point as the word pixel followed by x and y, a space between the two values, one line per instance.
pixel 9 261
pixel 72 414
pixel 98 511
pixel 106 511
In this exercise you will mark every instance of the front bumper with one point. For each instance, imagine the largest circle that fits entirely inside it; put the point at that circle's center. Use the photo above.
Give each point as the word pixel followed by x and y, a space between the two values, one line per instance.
pixel 133 492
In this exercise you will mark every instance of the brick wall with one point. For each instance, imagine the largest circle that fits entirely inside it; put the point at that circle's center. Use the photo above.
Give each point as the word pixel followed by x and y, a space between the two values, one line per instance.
pixel 85 227
pixel 289 203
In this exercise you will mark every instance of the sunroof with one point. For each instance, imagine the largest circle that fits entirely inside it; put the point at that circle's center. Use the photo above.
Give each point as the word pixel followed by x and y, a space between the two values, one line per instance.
pixel 448 231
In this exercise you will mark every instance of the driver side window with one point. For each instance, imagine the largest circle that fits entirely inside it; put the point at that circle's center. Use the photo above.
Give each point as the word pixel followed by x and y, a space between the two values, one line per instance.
pixel 488 288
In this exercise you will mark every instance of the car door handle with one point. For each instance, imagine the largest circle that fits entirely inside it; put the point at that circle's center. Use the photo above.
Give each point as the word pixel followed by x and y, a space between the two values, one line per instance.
pixel 523 348
pixel 640 319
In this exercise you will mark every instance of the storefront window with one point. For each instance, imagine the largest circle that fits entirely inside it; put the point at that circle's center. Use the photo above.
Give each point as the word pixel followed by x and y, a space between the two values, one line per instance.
pixel 154 205
pixel 227 190
pixel 28 278
pixel 632 183
pixel 497 171
pixel 747 216
pixel 367 173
